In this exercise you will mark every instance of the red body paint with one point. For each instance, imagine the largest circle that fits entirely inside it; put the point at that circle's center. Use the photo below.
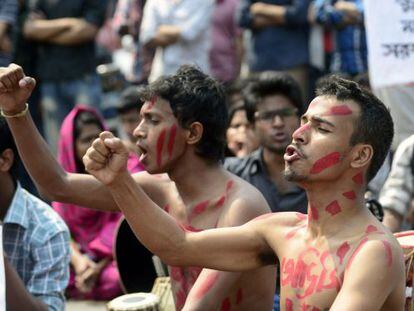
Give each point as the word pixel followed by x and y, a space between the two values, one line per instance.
pixel 358 178
pixel 239 297
pixel 180 297
pixel 220 202
pixel 198 209
pixel 167 208
pixel 356 251
pixel 207 284
pixel 301 216
pixel 229 185
pixel 288 305
pixel 350 195
pixel 333 208
pixel 325 162
pixel 313 213
pixel 152 102
pixel 341 110
pixel 388 251
pixel 293 232
pixel 171 140
pixel 370 229
pixel 160 145
pixel 302 129
pixel 225 305
pixel 342 251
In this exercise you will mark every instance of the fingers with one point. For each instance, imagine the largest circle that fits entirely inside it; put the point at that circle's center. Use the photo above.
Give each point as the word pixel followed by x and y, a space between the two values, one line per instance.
pixel 28 83
pixel 115 144
pixel 10 77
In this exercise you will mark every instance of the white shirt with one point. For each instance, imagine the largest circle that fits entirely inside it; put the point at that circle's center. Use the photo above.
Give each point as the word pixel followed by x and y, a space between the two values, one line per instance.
pixel 193 18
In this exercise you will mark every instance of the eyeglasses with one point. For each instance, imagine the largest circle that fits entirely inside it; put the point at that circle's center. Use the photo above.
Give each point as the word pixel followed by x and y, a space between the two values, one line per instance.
pixel 268 116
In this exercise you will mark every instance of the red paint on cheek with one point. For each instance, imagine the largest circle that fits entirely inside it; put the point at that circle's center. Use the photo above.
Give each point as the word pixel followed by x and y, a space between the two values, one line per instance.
pixel 341 110
pixel 289 305
pixel 302 129
pixel 358 178
pixel 333 208
pixel 342 251
pixel 160 145
pixel 388 250
pixel 225 305
pixel 171 140
pixel 239 297
pixel 313 213
pixel 350 195
pixel 325 162
pixel 358 248
pixel 207 284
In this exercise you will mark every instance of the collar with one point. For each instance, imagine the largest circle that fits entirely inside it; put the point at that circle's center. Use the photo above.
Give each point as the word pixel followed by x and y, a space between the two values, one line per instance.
pixel 17 213
pixel 257 165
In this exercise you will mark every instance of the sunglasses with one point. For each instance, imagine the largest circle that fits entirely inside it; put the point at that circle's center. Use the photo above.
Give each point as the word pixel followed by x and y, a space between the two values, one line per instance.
pixel 268 116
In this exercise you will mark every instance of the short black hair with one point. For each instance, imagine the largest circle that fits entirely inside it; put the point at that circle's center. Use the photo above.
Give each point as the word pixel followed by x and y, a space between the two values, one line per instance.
pixel 271 83
pixel 7 142
pixel 131 98
pixel 374 125
pixel 196 97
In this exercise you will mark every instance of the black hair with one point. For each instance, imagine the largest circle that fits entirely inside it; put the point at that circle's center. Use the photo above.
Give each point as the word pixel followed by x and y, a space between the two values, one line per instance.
pixel 374 125
pixel 83 118
pixel 7 142
pixel 196 97
pixel 131 99
pixel 271 83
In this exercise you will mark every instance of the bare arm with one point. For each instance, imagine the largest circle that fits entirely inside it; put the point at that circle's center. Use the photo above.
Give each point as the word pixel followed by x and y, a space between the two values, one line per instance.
pixel 376 272
pixel 17 297
pixel 80 32
pixel 43 30
pixel 239 247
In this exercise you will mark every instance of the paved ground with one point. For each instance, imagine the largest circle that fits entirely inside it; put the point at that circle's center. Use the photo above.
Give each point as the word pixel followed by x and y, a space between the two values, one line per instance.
pixel 84 305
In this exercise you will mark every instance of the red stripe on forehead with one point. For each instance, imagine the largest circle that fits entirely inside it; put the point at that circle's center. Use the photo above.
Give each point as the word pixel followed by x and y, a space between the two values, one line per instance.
pixel 325 162
pixel 342 110
pixel 152 102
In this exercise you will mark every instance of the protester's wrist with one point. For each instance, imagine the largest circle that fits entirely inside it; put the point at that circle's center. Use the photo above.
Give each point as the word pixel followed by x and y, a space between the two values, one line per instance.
pixel 20 111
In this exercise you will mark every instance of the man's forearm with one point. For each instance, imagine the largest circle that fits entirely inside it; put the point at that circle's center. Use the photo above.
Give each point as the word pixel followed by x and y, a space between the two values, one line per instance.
pixel 17 297
pixel 44 30
pixel 80 32
pixel 274 14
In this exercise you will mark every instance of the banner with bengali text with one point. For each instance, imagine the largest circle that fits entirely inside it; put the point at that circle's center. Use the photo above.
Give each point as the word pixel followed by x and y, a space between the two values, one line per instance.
pixel 390 36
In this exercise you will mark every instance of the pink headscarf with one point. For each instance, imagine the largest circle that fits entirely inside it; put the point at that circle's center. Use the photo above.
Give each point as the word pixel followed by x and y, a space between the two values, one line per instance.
pixel 92 230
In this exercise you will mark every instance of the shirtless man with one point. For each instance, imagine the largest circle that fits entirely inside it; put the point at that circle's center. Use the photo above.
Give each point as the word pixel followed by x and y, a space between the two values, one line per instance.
pixel 182 134
pixel 340 257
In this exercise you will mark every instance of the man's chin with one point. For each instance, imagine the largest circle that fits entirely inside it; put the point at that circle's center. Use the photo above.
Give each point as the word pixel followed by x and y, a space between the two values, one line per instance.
pixel 291 175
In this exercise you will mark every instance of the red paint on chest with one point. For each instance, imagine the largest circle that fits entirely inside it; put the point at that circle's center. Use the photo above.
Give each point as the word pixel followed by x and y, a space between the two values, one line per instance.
pixel 225 305
pixel 358 178
pixel 220 201
pixel 289 305
pixel 356 251
pixel 239 297
pixel 301 216
pixel 325 162
pixel 200 207
pixel 350 195
pixel 210 280
pixel 171 140
pixel 333 208
pixel 160 145
pixel 342 251
pixel 388 251
pixel 293 232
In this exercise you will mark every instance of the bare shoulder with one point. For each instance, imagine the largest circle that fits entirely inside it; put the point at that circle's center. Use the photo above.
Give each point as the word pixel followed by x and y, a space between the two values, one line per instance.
pixel 156 186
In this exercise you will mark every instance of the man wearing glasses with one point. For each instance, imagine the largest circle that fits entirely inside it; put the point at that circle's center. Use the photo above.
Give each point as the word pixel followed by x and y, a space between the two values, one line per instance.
pixel 273 106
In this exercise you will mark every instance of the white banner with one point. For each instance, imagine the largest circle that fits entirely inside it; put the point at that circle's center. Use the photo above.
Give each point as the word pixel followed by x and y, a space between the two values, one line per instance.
pixel 390 37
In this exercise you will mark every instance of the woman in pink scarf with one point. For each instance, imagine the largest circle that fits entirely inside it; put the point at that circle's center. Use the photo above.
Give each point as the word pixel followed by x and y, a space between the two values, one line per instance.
pixel 93 270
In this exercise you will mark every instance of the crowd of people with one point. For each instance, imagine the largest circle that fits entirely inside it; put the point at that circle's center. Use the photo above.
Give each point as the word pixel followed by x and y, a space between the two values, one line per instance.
pixel 240 139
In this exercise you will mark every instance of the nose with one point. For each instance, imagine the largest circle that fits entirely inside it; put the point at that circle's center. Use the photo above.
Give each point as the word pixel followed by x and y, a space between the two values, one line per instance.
pixel 139 131
pixel 301 134
pixel 278 121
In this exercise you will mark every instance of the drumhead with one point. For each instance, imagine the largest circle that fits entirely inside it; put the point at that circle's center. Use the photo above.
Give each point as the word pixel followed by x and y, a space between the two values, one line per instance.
pixel 136 301
pixel 405 238
pixel 134 261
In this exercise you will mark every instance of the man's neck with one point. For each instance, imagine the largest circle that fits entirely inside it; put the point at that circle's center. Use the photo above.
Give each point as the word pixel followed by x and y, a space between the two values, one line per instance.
pixel 8 188
pixel 334 205
pixel 275 165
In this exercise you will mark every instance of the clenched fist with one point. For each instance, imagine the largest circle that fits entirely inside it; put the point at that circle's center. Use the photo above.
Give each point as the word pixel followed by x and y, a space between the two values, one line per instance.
pixel 15 89
pixel 106 158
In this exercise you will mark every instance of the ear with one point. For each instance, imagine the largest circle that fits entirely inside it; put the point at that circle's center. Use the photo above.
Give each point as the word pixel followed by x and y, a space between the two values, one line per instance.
pixel 361 155
pixel 6 160
pixel 195 132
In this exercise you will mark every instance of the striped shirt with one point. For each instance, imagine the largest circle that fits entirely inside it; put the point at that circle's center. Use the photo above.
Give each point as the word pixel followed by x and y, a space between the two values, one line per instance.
pixel 36 242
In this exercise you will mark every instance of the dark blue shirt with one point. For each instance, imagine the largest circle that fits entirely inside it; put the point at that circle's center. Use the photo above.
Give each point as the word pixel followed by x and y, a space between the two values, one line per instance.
pixel 278 47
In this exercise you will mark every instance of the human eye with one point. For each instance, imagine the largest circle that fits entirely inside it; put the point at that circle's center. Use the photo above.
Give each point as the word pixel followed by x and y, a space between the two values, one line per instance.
pixel 322 130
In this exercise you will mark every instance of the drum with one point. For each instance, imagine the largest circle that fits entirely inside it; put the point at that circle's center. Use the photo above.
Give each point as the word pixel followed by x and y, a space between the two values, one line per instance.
pixel 134 302
pixel 162 289
pixel 406 240
pixel 135 264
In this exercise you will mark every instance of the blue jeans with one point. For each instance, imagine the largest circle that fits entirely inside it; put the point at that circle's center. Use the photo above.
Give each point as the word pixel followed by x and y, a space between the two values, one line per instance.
pixel 58 99
pixel 276 303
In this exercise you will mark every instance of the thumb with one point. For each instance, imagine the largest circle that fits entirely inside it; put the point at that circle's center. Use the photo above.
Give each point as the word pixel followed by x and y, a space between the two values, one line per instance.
pixel 28 83
pixel 115 145
pixel 106 134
